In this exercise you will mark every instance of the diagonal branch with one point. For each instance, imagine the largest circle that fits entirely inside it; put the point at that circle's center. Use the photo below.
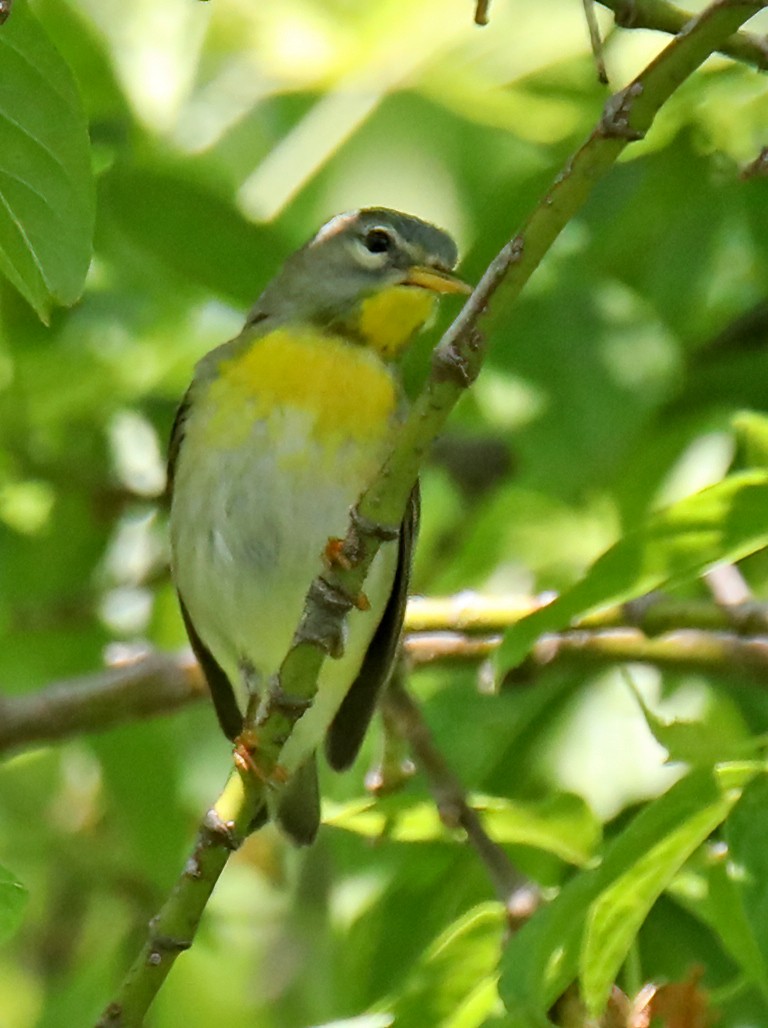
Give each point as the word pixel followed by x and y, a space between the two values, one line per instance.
pixel 519 896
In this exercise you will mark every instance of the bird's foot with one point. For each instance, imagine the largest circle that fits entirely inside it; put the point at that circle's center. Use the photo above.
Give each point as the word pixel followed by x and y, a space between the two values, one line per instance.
pixel 246 760
pixel 334 555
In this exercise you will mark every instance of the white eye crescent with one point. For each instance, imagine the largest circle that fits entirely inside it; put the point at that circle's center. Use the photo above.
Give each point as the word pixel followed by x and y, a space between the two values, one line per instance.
pixel 373 249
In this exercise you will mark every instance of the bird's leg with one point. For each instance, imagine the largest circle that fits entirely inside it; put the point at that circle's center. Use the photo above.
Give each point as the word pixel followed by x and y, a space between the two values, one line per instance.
pixel 246 744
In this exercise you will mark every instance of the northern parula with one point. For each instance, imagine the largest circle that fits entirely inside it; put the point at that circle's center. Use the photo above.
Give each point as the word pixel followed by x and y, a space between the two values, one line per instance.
pixel 277 437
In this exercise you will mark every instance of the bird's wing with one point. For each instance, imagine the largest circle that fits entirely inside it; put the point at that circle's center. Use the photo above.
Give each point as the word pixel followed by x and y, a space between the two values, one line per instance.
pixel 346 731
pixel 225 704
pixel 298 807
pixel 229 714
pixel 177 434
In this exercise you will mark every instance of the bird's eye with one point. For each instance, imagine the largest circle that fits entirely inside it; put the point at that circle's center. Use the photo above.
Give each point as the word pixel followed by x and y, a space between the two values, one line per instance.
pixel 377 241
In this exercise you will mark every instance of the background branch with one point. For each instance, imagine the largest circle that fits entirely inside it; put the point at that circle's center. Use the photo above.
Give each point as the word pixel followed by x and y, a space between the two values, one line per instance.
pixel 519 896
pixel 673 634
pixel 665 17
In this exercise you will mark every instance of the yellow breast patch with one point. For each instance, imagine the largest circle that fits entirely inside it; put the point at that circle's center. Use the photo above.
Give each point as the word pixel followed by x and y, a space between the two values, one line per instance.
pixel 346 388
pixel 389 319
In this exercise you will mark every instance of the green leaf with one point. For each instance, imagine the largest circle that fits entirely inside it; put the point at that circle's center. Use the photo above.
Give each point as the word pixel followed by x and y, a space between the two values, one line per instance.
pixel 710 888
pixel 617 914
pixel 46 185
pixel 751 430
pixel 547 954
pixel 716 734
pixel 13 900
pixel 748 860
pixel 724 522
pixel 454 983
pixel 563 825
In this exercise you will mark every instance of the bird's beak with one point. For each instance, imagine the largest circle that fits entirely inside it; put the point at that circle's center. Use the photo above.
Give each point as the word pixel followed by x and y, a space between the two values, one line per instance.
pixel 436 280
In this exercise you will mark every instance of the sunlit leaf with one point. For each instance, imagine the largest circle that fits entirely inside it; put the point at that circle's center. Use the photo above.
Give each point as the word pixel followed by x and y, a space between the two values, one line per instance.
pixel 617 913
pixel 563 825
pixel 722 523
pixel 549 951
pixel 717 734
pixel 454 984
pixel 751 430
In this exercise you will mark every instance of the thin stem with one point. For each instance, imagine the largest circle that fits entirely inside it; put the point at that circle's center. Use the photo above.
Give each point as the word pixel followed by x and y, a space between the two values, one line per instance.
pixel 519 896
pixel 595 41
pixel 666 17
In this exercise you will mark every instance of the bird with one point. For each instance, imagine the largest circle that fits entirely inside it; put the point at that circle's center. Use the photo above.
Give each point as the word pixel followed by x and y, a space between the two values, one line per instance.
pixel 278 435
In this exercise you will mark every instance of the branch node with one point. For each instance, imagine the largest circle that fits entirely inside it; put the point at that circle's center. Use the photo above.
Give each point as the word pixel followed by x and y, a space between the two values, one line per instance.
pixel 450 365
pixel 192 867
pixel 513 250
pixel 286 703
pixel 220 832
pixel 112 1016
pixel 373 529
pixel 625 14
pixel 163 944
pixel 614 123
pixel 321 625
pixel 160 944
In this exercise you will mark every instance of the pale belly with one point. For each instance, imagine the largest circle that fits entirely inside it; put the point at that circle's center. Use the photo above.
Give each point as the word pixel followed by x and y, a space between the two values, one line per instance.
pixel 249 528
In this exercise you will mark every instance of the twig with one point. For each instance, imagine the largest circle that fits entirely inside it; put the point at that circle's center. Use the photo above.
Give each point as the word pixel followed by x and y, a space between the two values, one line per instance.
pixel 519 896
pixel 481 11
pixel 472 613
pixel 728 587
pixel 152 684
pixel 685 649
pixel 595 41
pixel 456 363
pixel 666 17
pixel 669 633
pixel 758 168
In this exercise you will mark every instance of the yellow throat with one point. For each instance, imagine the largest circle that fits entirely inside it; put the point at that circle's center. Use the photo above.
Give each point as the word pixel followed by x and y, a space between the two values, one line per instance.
pixel 345 385
pixel 389 318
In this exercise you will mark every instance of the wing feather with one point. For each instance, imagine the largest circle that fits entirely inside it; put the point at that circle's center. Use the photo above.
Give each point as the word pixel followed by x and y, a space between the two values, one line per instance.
pixel 347 730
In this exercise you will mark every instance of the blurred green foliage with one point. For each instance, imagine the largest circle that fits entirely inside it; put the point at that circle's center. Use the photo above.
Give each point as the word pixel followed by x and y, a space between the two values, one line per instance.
pixel 630 374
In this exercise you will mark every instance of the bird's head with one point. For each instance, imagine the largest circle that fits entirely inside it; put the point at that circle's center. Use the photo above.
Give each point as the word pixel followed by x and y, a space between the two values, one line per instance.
pixel 372 274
